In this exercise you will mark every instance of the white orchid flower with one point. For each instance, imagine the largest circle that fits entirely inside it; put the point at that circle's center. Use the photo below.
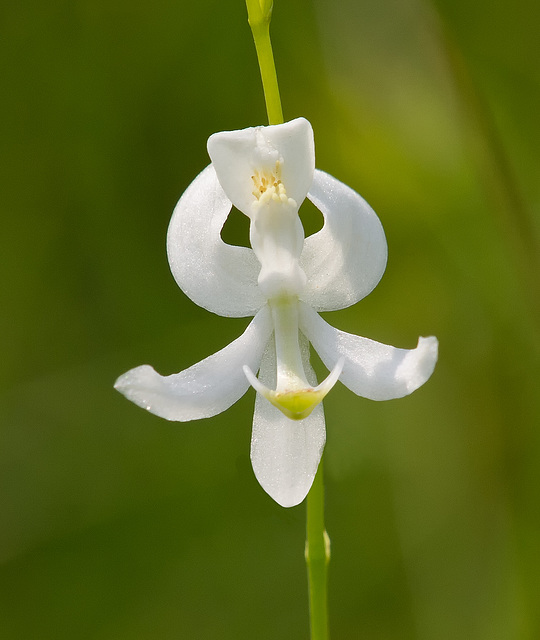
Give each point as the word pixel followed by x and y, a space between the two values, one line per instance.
pixel 284 280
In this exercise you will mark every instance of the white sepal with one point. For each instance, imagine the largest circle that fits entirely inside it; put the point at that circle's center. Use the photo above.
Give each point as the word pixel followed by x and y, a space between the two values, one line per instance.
pixel 217 276
pixel 345 260
pixel 285 453
pixel 371 369
pixel 237 155
pixel 208 387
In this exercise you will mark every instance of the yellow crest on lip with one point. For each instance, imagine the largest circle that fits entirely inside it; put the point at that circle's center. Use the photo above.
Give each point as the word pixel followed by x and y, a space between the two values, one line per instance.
pixel 297 405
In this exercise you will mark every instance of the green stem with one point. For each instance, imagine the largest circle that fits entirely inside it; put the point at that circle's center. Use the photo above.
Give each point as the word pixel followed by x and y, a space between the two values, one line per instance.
pixel 317 558
pixel 259 15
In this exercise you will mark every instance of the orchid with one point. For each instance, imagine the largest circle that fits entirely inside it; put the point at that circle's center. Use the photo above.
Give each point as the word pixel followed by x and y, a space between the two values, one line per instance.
pixel 284 281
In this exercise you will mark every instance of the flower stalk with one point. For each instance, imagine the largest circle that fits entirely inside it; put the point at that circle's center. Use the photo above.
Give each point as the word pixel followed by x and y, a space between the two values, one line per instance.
pixel 317 558
pixel 259 15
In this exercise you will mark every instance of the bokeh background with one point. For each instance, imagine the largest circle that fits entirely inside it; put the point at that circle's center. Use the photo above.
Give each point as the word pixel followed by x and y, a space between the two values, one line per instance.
pixel 116 524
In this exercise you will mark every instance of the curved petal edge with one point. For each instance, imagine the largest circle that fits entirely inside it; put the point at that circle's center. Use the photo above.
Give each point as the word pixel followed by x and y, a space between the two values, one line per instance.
pixel 345 260
pixel 217 276
pixel 372 370
pixel 205 389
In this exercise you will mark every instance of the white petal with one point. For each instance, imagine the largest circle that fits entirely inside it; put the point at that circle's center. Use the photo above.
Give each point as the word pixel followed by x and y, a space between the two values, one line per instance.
pixel 216 276
pixel 372 370
pixel 285 453
pixel 237 154
pixel 208 387
pixel 346 259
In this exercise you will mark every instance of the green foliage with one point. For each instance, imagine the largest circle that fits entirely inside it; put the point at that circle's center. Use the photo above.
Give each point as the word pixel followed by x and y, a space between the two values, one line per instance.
pixel 116 524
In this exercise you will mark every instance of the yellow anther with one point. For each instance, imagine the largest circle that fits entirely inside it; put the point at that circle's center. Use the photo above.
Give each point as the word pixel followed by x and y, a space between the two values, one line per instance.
pixel 268 185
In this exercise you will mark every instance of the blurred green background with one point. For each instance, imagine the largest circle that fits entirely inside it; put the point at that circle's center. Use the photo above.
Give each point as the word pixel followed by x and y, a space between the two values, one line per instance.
pixel 116 524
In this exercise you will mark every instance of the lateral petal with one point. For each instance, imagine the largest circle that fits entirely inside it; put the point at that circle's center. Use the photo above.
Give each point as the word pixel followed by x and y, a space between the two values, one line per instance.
pixel 285 453
pixel 346 259
pixel 217 276
pixel 236 155
pixel 208 387
pixel 371 369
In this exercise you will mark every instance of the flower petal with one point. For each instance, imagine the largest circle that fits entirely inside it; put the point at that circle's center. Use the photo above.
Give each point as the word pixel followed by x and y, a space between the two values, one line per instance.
pixel 372 370
pixel 208 387
pixel 236 155
pixel 285 453
pixel 216 276
pixel 346 259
